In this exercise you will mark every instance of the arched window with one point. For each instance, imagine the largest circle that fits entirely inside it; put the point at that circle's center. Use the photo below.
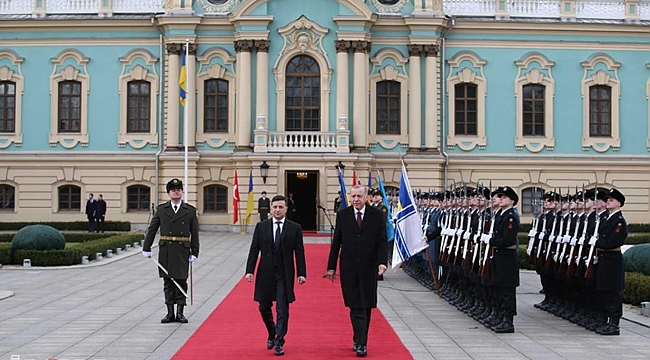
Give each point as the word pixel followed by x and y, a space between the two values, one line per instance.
pixel 69 197
pixel 302 94
pixel 138 198
pixel 215 198
pixel 138 112
pixel 215 112
pixel 7 107
pixel 531 200
pixel 465 111
pixel 388 109
pixel 7 194
pixel 600 109
pixel 533 106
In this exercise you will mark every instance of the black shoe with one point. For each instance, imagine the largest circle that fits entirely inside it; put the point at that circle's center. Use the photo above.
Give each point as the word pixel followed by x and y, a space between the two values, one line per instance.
pixel 504 328
pixel 180 317
pixel 380 278
pixel 270 343
pixel 355 347
pixel 279 351
pixel 170 315
pixel 362 351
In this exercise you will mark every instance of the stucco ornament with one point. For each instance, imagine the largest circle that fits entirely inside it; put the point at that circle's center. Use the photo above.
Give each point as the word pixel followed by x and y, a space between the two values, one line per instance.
pixel 389 6
pixel 218 6
pixel 304 36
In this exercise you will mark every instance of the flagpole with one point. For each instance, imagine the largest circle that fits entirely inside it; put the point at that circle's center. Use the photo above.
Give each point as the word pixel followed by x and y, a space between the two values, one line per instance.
pixel 186 115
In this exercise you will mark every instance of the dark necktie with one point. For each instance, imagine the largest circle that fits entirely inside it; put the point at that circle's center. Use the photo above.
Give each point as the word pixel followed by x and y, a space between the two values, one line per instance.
pixel 278 231
pixel 175 208
pixel 359 219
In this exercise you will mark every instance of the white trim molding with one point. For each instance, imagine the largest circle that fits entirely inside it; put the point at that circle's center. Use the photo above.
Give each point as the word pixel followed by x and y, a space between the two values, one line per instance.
pixel 468 74
pixel 303 37
pixel 210 69
pixel 13 74
pixel 608 76
pixel 138 73
pixel 83 196
pixel 383 72
pixel 61 72
pixel 532 75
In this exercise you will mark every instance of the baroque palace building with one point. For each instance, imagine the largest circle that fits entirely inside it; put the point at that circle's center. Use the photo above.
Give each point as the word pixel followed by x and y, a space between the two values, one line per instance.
pixel 528 93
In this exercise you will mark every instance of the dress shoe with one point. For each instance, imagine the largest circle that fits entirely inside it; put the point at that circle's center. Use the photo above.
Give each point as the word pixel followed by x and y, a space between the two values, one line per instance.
pixel 355 347
pixel 179 316
pixel 270 343
pixel 170 315
pixel 279 351
pixel 362 351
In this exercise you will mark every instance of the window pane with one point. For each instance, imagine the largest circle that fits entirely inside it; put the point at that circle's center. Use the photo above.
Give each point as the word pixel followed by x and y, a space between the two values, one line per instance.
pixel 460 91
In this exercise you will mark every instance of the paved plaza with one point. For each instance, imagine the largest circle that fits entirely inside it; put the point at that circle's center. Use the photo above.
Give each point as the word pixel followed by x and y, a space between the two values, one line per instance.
pixel 111 310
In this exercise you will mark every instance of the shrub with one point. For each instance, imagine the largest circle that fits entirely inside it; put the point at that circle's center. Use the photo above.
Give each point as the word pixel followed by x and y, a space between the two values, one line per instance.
pixel 71 225
pixel 634 239
pixel 637 259
pixel 642 228
pixel 637 288
pixel 5 253
pixel 523 259
pixel 38 237
pixel 69 237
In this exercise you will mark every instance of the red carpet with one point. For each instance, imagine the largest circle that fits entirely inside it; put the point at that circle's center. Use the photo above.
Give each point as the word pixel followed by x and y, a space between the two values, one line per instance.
pixel 314 233
pixel 319 324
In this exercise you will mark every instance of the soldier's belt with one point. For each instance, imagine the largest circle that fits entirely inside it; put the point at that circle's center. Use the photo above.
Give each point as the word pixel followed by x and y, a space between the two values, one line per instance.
pixel 618 249
pixel 511 247
pixel 175 238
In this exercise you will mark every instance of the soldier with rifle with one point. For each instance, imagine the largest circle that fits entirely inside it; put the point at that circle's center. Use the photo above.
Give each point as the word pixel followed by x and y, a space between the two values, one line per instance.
pixel 551 199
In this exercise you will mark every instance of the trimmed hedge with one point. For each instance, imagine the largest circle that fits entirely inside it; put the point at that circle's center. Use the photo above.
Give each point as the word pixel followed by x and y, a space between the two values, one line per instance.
pixel 69 237
pixel 637 288
pixel 5 253
pixel 72 256
pixel 71 225
pixel 637 259
pixel 523 259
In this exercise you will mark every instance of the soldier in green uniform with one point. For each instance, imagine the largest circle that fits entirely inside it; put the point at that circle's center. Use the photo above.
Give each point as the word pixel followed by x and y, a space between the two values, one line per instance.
pixel 264 206
pixel 178 246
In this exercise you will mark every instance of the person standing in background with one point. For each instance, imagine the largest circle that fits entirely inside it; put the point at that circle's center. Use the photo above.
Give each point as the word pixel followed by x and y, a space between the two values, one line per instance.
pixel 90 213
pixel 100 213
pixel 264 206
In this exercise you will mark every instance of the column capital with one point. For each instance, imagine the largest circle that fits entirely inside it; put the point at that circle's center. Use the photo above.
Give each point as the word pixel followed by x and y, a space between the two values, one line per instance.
pixel 262 45
pixel 415 50
pixel 243 45
pixel 362 46
pixel 342 45
pixel 431 50
pixel 174 48
pixel 193 48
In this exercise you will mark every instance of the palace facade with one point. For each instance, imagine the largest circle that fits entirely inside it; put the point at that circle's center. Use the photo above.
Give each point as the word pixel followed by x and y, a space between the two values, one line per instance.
pixel 527 93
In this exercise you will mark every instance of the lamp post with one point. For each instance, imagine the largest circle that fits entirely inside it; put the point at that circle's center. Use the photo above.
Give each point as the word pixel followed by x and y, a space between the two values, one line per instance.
pixel 340 166
pixel 264 170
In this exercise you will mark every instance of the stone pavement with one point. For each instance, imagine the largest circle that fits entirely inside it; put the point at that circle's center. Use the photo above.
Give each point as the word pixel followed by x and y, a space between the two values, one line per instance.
pixel 112 310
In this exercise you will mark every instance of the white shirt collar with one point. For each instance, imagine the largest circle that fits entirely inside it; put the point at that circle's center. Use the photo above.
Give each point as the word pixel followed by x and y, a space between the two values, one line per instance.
pixel 281 220
pixel 610 215
pixel 363 211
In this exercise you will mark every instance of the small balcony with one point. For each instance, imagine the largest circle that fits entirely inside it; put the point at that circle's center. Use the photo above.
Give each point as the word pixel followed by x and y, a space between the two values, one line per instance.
pixel 301 141
pixel 72 7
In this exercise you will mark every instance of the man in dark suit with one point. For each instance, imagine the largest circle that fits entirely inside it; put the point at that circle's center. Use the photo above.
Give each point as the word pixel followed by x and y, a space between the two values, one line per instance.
pixel 264 206
pixel 360 237
pixel 90 213
pixel 178 247
pixel 291 207
pixel 100 212
pixel 279 240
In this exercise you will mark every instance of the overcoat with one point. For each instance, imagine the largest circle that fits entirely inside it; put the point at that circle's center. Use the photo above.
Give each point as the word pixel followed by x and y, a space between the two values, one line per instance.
pixel 361 250
pixel 611 268
pixel 291 244
pixel 174 255
pixel 504 264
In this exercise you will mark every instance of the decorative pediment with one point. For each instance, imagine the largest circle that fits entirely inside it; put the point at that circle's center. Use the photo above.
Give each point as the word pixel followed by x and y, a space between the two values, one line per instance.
pixel 303 36
pixel 389 73
pixel 534 76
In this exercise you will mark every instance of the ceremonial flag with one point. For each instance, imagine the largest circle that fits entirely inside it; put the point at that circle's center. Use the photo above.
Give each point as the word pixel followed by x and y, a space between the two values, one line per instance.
pixel 235 200
pixel 251 200
pixel 409 239
pixel 355 180
pixel 344 194
pixel 370 180
pixel 390 228
pixel 182 81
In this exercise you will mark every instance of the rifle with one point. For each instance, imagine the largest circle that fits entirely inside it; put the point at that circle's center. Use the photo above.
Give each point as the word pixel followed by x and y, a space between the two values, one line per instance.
pixel 466 236
pixel 589 273
pixel 551 238
pixel 532 234
pixel 459 232
pixel 565 241
pixel 485 271
pixel 540 246
pixel 476 252
pixel 444 256
pixel 571 271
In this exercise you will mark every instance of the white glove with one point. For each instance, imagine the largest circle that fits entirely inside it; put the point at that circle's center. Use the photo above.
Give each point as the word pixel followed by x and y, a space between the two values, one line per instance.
pixel 485 238
pixel 477 238
pixel 147 254
pixel 551 238
pixel 581 241
pixel 529 249
pixel 532 233
pixel 466 236
pixel 573 241
pixel 593 240
pixel 566 239
pixel 192 258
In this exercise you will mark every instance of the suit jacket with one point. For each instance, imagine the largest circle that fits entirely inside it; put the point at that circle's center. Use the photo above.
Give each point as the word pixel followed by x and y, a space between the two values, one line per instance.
pixel 610 275
pixel 100 209
pixel 361 251
pixel 174 255
pixel 291 245
pixel 504 264
pixel 90 208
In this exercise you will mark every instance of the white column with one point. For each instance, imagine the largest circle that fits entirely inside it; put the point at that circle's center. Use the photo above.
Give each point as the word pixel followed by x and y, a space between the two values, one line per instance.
pixel 262 81
pixel 173 95
pixel 191 96
pixel 415 97
pixel 342 80
pixel 431 96
pixel 360 116
pixel 243 49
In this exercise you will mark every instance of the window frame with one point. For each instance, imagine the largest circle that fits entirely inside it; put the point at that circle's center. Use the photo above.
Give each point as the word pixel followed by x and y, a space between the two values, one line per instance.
pixel 139 188
pixel 528 194
pixel 69 187
pixel 466 99
pixel 13 73
pixel 217 94
pixel 598 101
pixel 4 97
pixel 302 108
pixel 61 99
pixel 216 210
pixel 388 96
pixel 537 116
pixel 3 196
pixel 141 100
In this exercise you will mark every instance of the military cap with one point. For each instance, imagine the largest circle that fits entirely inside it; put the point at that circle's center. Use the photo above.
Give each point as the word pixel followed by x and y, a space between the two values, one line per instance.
pixel 498 190
pixel 614 193
pixel 439 195
pixel 510 193
pixel 551 195
pixel 174 184
pixel 483 191
pixel 567 198
pixel 601 193
pixel 578 195
pixel 378 192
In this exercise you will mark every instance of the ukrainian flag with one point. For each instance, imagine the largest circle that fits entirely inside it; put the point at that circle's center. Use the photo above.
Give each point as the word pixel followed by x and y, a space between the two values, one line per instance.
pixel 182 82
pixel 344 194
pixel 251 200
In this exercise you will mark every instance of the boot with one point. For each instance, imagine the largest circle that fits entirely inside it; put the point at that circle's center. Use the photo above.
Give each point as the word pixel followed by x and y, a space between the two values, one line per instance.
pixel 170 315
pixel 180 317
pixel 506 326
pixel 611 328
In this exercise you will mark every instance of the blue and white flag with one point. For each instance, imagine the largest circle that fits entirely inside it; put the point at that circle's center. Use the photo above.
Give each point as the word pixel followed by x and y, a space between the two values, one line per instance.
pixel 409 239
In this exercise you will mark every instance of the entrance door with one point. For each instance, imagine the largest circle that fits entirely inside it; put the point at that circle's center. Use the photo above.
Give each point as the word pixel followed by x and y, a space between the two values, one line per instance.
pixel 304 187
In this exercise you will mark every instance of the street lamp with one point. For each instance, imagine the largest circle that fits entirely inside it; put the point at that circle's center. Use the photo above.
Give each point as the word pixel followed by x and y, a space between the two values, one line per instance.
pixel 264 170
pixel 340 166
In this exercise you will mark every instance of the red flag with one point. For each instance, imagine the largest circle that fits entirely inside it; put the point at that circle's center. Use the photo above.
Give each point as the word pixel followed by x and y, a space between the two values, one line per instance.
pixel 235 200
pixel 355 181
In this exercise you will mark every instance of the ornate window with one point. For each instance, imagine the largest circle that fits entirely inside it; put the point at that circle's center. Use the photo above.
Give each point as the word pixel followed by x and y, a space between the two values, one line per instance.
pixel 465 114
pixel 601 92
pixel 138 89
pixel 7 196
pixel 69 88
pixel 302 94
pixel 528 197
pixel 69 107
pixel 534 90
pixel 11 95
pixel 388 107
pixel 390 6
pixel 215 198
pixel 138 198
pixel 215 98
pixel 466 68
pixel 69 198
pixel 7 107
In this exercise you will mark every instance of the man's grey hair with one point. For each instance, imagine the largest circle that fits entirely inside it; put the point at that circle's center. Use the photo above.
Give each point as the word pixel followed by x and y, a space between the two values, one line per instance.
pixel 363 187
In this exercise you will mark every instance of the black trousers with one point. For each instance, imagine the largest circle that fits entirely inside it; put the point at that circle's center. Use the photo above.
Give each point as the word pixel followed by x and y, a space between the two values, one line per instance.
pixel 508 297
pixel 100 224
pixel 360 325
pixel 611 303
pixel 172 294
pixel 264 216
pixel 91 223
pixel 277 330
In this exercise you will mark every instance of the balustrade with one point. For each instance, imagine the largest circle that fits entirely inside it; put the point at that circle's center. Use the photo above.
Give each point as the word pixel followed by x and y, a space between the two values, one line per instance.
pixel 308 141
pixel 27 7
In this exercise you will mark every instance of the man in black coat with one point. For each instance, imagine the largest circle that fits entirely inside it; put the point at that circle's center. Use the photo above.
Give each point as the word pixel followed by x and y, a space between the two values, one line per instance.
pixel 360 237
pixel 264 206
pixel 279 240
pixel 178 247
pixel 90 212
pixel 100 212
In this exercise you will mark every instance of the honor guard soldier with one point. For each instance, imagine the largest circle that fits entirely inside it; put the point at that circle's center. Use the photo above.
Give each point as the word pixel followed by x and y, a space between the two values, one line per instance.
pixel 264 206
pixel 178 247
